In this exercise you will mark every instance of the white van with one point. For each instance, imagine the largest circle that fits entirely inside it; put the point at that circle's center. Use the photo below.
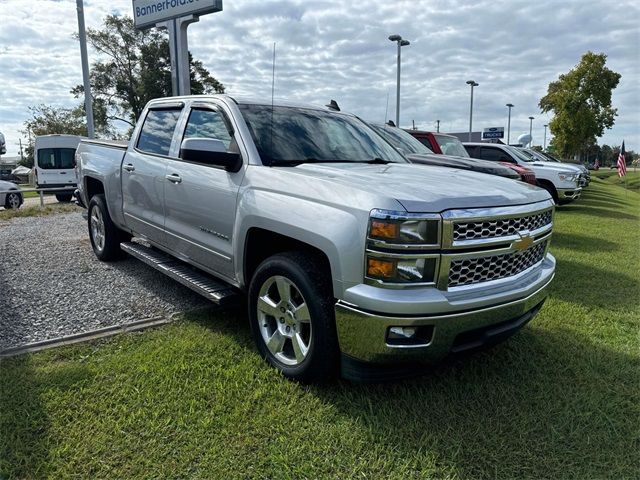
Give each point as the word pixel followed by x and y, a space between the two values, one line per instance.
pixel 54 163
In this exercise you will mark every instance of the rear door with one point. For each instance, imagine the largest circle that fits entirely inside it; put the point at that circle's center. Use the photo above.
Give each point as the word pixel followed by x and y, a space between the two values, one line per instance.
pixel 143 173
pixel 55 167
pixel 200 200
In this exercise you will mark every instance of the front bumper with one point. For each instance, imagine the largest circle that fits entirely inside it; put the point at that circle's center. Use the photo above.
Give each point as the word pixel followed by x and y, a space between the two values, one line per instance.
pixel 569 193
pixel 362 333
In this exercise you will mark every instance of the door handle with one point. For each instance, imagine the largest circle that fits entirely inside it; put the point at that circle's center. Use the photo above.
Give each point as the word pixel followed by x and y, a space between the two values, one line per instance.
pixel 129 167
pixel 174 178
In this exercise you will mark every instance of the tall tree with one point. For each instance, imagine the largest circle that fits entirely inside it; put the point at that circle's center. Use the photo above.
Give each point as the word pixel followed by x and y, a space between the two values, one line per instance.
pixel 581 103
pixel 135 67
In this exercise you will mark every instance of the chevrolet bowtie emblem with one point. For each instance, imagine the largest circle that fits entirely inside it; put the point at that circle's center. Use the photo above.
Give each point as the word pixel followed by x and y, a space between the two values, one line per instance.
pixel 524 242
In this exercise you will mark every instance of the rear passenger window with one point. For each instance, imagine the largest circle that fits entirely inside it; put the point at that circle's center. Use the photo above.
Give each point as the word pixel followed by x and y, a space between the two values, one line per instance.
pixel 491 154
pixel 157 131
pixel 208 124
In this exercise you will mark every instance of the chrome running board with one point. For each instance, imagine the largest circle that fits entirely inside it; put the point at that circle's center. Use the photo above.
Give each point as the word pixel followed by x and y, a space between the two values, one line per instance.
pixel 213 289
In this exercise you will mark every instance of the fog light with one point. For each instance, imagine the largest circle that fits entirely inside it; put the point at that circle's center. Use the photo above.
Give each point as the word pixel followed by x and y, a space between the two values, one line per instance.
pixel 402 332
pixel 404 337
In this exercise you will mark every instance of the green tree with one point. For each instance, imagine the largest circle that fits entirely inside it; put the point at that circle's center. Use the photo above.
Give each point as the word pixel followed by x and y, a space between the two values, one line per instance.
pixel 581 103
pixel 134 68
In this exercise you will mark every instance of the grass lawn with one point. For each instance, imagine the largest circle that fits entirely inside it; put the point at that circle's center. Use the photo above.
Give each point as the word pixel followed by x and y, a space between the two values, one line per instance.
pixel 193 400
pixel 630 181
pixel 37 211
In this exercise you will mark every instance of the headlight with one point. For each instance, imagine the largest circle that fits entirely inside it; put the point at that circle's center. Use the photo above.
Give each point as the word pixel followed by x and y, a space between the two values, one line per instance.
pixel 568 176
pixel 401 270
pixel 402 248
pixel 398 229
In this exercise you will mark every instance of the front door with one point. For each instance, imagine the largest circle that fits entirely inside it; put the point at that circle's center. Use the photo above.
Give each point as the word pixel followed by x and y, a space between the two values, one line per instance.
pixel 200 200
pixel 143 175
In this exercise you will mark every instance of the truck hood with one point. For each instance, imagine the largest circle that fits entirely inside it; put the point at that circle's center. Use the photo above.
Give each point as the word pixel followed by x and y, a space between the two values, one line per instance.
pixel 472 164
pixel 558 167
pixel 425 188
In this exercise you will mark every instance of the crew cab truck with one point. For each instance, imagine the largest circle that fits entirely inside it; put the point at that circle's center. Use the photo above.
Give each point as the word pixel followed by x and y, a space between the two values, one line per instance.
pixel 347 255
pixel 562 183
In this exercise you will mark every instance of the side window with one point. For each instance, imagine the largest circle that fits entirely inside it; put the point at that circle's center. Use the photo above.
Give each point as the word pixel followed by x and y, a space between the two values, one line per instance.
pixel 208 124
pixel 471 150
pixel 157 131
pixel 491 154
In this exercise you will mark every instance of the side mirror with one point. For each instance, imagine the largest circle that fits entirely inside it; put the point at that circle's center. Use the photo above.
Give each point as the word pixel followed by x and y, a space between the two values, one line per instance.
pixel 209 151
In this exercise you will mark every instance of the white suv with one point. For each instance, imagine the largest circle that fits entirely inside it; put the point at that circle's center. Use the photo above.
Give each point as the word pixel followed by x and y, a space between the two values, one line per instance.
pixel 561 182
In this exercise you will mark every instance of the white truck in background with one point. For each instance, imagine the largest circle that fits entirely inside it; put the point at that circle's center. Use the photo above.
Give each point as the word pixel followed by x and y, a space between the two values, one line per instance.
pixel 54 164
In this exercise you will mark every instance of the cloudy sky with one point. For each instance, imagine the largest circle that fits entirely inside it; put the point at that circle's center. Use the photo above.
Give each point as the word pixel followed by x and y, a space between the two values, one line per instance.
pixel 339 50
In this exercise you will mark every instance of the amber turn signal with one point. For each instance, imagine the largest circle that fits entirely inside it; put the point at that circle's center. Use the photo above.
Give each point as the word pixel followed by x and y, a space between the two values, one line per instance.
pixel 380 268
pixel 382 229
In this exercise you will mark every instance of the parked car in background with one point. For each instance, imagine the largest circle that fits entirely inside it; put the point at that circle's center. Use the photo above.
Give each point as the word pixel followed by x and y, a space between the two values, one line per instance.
pixel 54 164
pixel 10 195
pixel 418 153
pixel 346 254
pixel 536 156
pixel 441 142
pixel 562 183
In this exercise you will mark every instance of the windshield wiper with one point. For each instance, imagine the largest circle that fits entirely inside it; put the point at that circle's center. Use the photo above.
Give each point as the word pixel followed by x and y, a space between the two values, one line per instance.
pixel 293 163
pixel 377 160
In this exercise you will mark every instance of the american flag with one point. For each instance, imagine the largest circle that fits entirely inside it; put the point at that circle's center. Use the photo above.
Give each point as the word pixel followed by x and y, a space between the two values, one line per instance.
pixel 596 165
pixel 622 164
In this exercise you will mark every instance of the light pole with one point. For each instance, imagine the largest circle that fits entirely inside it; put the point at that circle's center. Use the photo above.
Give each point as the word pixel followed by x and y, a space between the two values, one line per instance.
pixel 82 36
pixel 510 105
pixel 401 43
pixel 472 84
pixel 544 148
pixel 438 126
pixel 530 129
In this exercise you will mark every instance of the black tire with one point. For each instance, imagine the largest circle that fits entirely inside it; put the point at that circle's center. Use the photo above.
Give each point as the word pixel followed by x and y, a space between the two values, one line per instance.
pixel 551 189
pixel 107 248
pixel 64 197
pixel 12 200
pixel 311 277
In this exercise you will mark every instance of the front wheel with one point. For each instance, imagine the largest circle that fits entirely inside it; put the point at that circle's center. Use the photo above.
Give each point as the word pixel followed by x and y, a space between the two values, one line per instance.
pixel 104 235
pixel 292 316
pixel 12 200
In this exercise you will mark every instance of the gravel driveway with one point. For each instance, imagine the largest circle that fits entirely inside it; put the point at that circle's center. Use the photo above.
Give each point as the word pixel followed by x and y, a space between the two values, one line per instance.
pixel 51 284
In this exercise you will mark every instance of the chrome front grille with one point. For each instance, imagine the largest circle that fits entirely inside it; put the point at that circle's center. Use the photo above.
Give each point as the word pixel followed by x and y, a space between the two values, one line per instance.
pixel 500 227
pixel 469 271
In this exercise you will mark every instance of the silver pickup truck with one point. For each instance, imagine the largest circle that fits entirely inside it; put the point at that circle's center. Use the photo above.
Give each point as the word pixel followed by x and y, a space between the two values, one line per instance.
pixel 349 257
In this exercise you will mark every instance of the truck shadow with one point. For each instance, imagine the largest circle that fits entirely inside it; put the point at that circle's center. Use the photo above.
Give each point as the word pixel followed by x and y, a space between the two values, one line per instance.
pixel 583 243
pixel 597 211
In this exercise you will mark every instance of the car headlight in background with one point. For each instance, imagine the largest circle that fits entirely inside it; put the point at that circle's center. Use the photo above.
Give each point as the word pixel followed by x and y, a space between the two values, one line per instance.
pixel 568 176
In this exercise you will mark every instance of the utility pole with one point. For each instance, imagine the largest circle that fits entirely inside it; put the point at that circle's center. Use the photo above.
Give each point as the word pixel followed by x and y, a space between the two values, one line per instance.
pixel 82 36
pixel 438 126
pixel 530 130
pixel 544 148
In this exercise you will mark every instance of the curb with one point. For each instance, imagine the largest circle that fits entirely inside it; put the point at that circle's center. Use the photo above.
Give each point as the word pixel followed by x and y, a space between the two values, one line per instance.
pixel 86 336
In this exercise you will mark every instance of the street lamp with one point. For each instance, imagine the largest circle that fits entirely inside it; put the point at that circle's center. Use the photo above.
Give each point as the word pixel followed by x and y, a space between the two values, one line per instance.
pixel 472 84
pixel 510 105
pixel 544 149
pixel 401 43
pixel 530 129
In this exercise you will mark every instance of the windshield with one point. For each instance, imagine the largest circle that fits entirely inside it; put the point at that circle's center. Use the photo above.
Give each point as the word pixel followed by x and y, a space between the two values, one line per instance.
pixel 402 140
pixel 518 154
pixel 451 145
pixel 56 158
pixel 293 135
pixel 528 154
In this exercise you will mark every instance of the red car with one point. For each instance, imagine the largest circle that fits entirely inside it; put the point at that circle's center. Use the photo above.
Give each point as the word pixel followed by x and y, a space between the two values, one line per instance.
pixel 451 145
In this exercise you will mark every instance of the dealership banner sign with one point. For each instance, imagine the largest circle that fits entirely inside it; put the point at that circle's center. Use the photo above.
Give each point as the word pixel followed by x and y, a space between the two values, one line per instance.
pixel 493 132
pixel 147 13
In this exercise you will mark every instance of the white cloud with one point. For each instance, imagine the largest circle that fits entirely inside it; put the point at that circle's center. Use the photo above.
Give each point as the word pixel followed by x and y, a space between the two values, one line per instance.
pixel 329 49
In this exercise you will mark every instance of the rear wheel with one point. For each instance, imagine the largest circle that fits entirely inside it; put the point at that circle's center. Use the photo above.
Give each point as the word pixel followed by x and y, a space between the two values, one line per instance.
pixel 104 235
pixel 292 316
pixel 64 197
pixel 12 200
